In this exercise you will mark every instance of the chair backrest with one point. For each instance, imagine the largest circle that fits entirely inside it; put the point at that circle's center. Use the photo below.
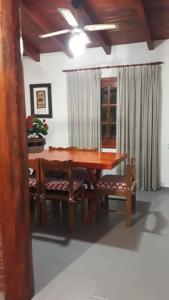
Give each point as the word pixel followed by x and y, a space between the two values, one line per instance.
pixel 56 166
pixel 130 173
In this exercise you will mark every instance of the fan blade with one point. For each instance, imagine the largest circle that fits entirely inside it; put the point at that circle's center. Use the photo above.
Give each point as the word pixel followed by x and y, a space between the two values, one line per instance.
pixel 50 34
pixel 95 27
pixel 68 16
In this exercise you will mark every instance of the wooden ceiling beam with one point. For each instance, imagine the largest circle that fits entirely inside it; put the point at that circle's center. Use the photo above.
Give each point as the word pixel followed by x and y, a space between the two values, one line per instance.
pixel 44 27
pixel 30 50
pixel 89 18
pixel 144 23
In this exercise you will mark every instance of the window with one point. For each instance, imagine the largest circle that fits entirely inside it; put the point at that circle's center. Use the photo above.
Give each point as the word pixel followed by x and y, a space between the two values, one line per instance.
pixel 108 111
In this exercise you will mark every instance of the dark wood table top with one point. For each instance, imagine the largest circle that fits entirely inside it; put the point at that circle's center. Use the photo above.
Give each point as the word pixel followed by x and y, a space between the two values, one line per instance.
pixel 87 159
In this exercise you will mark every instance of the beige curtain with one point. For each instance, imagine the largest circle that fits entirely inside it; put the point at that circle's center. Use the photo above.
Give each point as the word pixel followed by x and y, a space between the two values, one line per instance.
pixel 83 94
pixel 138 120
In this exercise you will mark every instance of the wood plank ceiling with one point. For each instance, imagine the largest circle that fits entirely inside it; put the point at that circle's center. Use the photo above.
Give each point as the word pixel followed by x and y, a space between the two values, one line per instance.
pixel 138 21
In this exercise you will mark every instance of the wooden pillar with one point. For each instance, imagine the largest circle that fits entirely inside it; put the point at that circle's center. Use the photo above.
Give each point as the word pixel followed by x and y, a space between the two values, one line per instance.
pixel 14 204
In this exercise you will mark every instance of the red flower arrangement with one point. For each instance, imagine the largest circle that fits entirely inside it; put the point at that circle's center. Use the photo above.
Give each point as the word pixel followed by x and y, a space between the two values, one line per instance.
pixel 35 127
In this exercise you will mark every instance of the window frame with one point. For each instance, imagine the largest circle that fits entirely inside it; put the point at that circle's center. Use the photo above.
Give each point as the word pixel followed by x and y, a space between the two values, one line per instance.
pixel 109 82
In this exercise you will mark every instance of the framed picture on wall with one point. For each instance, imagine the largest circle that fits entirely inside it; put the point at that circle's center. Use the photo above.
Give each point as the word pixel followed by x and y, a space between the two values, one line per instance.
pixel 41 100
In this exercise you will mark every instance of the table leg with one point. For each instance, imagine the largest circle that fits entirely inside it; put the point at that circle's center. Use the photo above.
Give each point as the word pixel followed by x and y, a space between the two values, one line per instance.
pixel 91 195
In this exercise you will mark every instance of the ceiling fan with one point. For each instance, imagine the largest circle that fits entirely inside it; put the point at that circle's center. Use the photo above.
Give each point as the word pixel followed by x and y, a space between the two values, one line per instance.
pixel 72 21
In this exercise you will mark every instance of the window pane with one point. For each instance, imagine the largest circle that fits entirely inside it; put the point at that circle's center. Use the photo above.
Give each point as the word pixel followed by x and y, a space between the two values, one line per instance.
pixel 108 111
pixel 112 131
pixel 104 131
pixel 113 95
pixel 113 114
pixel 104 114
pixel 104 95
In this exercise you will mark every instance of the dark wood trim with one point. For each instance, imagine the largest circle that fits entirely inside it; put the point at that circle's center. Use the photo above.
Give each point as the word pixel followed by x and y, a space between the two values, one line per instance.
pixel 35 56
pixel 111 80
pixel 41 85
pixel 30 50
pixel 36 18
pixel 115 66
pixel 109 143
pixel 14 200
pixel 144 23
pixel 85 11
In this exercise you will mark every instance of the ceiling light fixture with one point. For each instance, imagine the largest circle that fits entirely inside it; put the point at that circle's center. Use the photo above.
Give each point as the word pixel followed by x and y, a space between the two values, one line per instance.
pixel 78 42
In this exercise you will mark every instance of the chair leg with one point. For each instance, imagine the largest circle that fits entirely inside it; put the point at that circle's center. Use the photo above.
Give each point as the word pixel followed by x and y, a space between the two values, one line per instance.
pixel 105 203
pixel 92 208
pixel 55 207
pixel 133 203
pixel 43 213
pixel 129 209
pixel 32 204
pixel 82 210
pixel 89 185
pixel 39 213
pixel 83 205
pixel 64 206
pixel 71 216
pixel 98 207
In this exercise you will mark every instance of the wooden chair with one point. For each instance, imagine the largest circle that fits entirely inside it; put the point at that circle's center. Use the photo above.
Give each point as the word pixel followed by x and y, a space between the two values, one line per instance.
pixel 78 172
pixel 118 185
pixel 60 189
pixel 34 185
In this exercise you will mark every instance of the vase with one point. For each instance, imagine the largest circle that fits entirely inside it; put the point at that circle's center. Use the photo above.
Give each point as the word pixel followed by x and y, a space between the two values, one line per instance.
pixel 36 145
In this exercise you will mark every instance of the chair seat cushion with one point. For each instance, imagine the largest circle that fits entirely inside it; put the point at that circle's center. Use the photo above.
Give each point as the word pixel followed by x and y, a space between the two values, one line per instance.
pixel 32 182
pixel 62 185
pixel 113 182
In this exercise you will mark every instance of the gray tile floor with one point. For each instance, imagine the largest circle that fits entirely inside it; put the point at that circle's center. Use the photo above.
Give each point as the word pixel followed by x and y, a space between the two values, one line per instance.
pixel 107 260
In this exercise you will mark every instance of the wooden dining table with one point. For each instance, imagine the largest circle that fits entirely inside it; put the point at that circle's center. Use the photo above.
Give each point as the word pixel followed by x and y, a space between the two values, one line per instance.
pixel 91 160
pixel 86 159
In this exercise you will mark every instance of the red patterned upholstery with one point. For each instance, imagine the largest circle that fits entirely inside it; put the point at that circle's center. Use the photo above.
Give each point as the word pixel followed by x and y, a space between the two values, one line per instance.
pixel 62 185
pixel 32 182
pixel 113 182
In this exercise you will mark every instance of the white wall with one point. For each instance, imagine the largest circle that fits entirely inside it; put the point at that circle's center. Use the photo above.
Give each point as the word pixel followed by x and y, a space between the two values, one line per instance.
pixel 49 70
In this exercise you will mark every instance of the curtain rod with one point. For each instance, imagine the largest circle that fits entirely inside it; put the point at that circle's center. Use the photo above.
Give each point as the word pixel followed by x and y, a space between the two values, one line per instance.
pixel 110 67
